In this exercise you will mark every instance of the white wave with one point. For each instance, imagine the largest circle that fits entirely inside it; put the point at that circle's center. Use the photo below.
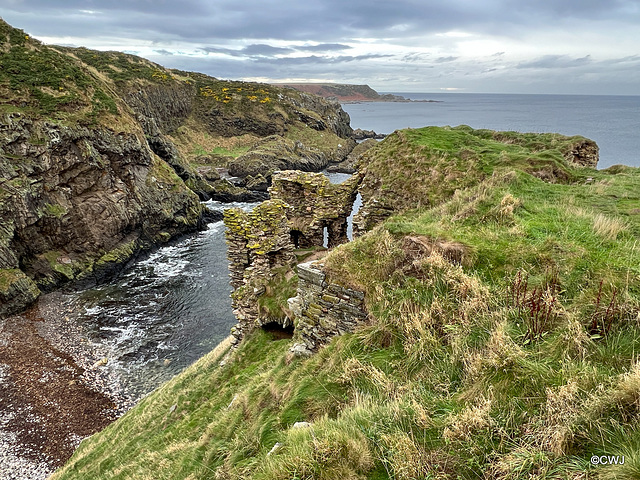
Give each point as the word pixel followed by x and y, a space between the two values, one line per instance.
pixel 93 311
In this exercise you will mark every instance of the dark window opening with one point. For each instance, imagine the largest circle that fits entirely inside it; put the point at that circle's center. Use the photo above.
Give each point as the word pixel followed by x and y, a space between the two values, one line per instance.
pixel 277 331
pixel 296 235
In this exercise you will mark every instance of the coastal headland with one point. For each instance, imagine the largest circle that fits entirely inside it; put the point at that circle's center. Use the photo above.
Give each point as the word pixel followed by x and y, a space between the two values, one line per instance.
pixel 348 93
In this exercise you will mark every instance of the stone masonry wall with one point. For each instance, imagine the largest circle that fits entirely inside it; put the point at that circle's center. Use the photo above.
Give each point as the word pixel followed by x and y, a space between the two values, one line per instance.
pixel 315 203
pixel 322 310
pixel 258 242
pixel 262 241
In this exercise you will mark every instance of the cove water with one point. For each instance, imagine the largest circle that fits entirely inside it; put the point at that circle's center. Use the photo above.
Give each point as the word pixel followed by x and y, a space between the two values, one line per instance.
pixel 166 310
pixel 613 122
pixel 163 312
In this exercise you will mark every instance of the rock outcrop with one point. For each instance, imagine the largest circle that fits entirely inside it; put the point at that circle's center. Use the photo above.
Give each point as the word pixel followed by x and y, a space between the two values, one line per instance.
pixel 350 164
pixel 76 202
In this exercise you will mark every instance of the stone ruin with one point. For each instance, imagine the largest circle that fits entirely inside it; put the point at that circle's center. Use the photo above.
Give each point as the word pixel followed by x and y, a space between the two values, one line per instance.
pixel 322 309
pixel 317 204
pixel 257 242
pixel 303 208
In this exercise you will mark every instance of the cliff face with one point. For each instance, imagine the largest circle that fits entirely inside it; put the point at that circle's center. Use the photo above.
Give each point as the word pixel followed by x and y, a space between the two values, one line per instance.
pixel 103 154
pixel 75 202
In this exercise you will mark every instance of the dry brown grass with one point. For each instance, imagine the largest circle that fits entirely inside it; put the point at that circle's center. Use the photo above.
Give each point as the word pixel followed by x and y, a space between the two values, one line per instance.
pixel 408 460
pixel 500 352
pixel 561 411
pixel 471 420
pixel 607 227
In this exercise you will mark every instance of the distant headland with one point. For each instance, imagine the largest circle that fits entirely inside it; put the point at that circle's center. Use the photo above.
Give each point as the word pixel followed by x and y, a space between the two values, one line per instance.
pixel 346 93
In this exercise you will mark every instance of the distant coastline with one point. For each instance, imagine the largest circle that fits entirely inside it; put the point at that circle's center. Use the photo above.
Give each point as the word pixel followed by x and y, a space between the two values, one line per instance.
pixel 347 93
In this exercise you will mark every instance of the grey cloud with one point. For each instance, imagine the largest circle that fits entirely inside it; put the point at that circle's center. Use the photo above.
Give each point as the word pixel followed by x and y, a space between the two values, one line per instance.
pixel 322 47
pixel 324 60
pixel 325 21
pixel 446 59
pixel 322 32
pixel 414 57
pixel 265 50
pixel 555 61
pixel 260 50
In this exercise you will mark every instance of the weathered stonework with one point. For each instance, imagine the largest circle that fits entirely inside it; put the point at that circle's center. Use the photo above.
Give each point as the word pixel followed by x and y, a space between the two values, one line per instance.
pixel 258 242
pixel 322 310
pixel 262 242
pixel 316 204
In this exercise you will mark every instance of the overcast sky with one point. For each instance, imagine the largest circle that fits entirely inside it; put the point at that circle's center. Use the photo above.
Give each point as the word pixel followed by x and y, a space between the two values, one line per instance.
pixel 493 46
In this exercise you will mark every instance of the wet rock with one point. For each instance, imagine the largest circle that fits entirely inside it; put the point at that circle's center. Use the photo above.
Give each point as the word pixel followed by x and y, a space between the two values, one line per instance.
pixel 354 159
pixel 211 216
pixel 360 134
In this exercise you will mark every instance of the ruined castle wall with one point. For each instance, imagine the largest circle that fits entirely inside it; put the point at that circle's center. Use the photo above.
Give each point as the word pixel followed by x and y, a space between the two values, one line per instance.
pixel 322 310
pixel 316 204
pixel 258 242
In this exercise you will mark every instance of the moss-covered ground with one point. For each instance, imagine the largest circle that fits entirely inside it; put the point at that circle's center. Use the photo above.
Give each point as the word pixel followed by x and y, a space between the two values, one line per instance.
pixel 502 342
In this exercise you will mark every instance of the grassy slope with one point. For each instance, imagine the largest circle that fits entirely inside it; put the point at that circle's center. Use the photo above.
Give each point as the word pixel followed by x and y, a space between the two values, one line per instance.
pixel 517 361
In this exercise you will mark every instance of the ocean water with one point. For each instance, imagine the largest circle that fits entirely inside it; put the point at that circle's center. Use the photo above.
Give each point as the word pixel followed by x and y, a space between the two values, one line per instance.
pixel 163 312
pixel 613 122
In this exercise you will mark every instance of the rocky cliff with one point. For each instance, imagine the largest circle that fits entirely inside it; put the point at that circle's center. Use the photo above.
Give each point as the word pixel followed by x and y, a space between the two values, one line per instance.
pixel 346 93
pixel 103 154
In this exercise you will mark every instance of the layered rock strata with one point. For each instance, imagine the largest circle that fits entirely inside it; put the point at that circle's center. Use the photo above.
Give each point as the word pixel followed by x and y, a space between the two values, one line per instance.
pixel 76 202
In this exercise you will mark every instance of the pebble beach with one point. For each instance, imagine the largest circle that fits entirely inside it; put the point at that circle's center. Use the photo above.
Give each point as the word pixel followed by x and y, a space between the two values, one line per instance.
pixel 55 389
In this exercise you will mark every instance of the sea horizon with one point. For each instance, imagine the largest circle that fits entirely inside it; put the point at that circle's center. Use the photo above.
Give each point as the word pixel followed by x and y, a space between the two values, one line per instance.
pixel 612 121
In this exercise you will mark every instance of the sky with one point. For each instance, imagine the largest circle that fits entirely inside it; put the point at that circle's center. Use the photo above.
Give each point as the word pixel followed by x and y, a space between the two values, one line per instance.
pixel 488 46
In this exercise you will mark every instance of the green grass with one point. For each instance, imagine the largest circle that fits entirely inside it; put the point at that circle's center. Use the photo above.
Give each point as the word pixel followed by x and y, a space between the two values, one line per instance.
pixel 445 380
pixel 451 159
pixel 272 305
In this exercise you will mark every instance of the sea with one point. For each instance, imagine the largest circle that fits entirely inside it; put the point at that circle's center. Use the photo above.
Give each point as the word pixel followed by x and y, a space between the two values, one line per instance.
pixel 613 122
pixel 172 307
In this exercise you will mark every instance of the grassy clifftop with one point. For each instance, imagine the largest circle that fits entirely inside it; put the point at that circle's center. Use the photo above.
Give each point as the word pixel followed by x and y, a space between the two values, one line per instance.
pixel 502 343
pixel 78 85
